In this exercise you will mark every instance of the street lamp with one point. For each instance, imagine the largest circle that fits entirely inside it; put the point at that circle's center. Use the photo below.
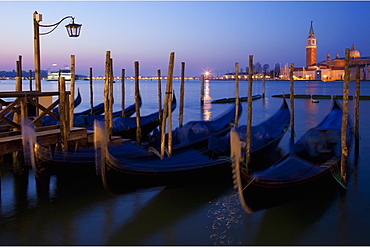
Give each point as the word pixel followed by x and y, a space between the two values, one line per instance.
pixel 73 30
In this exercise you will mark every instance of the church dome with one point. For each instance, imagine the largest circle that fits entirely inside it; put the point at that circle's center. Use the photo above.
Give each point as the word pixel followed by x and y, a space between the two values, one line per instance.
pixel 353 52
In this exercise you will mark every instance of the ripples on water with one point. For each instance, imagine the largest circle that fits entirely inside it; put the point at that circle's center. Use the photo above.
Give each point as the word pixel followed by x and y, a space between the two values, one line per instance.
pixel 227 216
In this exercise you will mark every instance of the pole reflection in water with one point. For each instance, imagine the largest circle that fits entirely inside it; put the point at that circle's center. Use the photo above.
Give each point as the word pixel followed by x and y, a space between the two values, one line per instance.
pixel 207 106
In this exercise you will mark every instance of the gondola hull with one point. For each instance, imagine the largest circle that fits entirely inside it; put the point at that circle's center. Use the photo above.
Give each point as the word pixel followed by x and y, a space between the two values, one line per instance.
pixel 117 177
pixel 258 195
pixel 312 164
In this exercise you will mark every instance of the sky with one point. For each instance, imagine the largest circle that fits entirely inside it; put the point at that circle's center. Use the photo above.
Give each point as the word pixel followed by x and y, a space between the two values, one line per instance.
pixel 206 35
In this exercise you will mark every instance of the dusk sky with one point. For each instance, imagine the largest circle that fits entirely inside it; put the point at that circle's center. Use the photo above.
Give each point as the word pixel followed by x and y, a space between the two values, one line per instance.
pixel 206 35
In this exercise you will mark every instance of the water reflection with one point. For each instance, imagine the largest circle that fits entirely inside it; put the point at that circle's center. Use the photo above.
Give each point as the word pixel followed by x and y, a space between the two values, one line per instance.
pixel 167 209
pixel 207 106
pixel 287 223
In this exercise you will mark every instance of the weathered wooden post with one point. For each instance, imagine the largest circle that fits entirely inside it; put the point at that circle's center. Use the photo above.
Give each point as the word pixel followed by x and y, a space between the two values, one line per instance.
pixel 23 103
pixel 36 43
pixel 30 80
pixel 202 89
pixel 357 115
pixel 343 167
pixel 63 103
pixel 18 87
pixel 72 89
pixel 291 104
pixel 182 89
pixel 106 95
pixel 159 97
pixel 91 92
pixel 111 100
pixel 166 102
pixel 123 92
pixel 169 105
pixel 137 106
pixel 237 99
pixel 263 86
pixel 20 69
pixel 249 120
pixel 18 161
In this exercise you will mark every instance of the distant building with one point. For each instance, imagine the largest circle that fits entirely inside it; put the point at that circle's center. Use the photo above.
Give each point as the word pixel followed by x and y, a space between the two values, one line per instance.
pixel 330 69
pixel 327 70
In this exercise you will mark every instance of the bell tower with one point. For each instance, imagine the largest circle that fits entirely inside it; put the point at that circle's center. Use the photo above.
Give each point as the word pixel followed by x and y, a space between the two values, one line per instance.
pixel 311 48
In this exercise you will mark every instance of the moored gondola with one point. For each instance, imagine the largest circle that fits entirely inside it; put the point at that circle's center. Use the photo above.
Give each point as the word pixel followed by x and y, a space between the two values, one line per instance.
pixel 312 163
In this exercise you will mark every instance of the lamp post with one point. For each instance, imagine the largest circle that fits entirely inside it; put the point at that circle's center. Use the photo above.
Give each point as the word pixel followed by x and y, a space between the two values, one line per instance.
pixel 73 30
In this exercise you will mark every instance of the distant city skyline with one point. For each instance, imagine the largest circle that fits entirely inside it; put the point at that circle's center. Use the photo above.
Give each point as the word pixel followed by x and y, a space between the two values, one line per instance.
pixel 207 35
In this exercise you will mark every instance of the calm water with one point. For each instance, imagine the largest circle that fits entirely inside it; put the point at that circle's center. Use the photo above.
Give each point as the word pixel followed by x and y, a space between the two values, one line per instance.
pixel 81 212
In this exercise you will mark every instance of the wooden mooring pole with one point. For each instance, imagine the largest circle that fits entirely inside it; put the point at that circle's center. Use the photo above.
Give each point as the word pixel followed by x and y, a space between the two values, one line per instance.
pixel 91 92
pixel 18 161
pixel 123 92
pixel 72 89
pixel 166 103
pixel 64 116
pixel 344 155
pixel 137 106
pixel 169 106
pixel 30 80
pixel 159 97
pixel 357 115
pixel 202 89
pixel 111 99
pixel 106 96
pixel 249 120
pixel 292 131
pixel 237 99
pixel 263 86
pixel 182 90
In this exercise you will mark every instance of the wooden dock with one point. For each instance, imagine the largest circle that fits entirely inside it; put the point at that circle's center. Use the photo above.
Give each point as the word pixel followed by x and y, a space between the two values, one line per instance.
pixel 45 137
pixel 33 106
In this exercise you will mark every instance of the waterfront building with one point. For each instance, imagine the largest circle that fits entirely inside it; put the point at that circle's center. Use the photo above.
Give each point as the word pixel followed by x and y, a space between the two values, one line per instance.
pixel 330 69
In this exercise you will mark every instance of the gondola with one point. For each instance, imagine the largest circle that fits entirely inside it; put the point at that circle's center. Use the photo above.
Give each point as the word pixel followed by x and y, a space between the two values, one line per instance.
pixel 182 166
pixel 196 134
pixel 82 159
pixel 265 137
pixel 199 131
pixel 232 100
pixel 85 118
pixel 126 127
pixel 312 164
pixel 99 109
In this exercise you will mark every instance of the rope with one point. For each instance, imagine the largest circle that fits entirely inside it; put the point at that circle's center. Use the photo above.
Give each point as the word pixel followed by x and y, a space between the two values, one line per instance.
pixel 155 151
pixel 248 184
pixel 336 175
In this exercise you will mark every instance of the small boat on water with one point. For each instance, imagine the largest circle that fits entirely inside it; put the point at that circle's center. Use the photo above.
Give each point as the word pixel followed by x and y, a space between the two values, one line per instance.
pixel 82 159
pixel 85 118
pixel 182 166
pixel 126 127
pixel 313 163
pixel 196 134
pixel 54 75
pixel 265 137
pixel 232 100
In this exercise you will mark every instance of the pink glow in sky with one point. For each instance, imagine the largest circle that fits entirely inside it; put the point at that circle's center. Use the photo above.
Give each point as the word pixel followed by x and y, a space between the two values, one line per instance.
pixel 209 35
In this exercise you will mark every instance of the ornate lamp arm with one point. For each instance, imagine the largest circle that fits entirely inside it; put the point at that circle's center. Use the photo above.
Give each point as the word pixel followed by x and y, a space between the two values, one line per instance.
pixel 55 25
